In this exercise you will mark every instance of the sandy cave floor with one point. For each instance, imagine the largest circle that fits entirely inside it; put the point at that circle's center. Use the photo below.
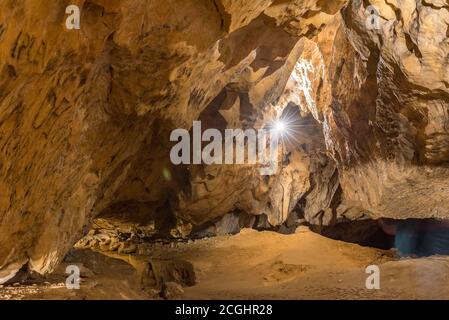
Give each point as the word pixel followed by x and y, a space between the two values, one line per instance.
pixel 250 265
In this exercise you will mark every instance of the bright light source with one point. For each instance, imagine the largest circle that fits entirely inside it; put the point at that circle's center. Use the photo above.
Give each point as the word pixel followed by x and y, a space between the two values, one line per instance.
pixel 288 127
pixel 280 126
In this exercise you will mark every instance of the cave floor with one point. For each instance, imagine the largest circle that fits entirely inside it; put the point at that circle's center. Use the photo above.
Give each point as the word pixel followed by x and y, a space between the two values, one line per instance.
pixel 250 265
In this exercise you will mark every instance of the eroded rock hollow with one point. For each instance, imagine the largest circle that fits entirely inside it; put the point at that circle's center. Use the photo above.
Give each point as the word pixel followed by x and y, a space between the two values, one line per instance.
pixel 86 115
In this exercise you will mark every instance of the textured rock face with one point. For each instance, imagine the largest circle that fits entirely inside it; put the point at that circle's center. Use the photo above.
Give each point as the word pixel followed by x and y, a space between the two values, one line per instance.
pixel 388 125
pixel 86 115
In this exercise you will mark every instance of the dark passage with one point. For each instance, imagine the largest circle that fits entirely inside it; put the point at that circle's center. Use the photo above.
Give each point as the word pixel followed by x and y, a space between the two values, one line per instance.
pixel 419 237
pixel 367 233
pixel 411 237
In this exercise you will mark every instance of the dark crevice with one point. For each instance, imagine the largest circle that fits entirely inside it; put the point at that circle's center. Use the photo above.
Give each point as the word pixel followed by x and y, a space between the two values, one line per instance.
pixel 367 233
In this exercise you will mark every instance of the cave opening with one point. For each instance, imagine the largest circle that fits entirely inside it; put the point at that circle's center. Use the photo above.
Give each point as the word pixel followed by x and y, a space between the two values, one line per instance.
pixel 367 233
pixel 408 237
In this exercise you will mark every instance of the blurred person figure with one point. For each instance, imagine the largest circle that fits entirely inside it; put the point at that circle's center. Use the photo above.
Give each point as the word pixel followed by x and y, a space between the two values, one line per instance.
pixel 418 237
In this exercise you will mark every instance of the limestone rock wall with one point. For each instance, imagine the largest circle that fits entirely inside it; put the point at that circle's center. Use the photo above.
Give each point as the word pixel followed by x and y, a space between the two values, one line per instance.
pixel 388 122
pixel 85 115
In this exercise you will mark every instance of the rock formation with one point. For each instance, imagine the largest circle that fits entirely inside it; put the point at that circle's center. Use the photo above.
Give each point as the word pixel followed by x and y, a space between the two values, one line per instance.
pixel 86 115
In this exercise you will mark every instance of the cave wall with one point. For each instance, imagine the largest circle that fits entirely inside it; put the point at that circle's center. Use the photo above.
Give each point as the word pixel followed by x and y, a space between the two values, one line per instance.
pixel 82 111
pixel 388 122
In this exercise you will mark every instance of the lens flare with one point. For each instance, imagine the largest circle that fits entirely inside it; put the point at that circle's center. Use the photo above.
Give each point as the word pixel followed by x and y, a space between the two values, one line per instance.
pixel 293 129
pixel 280 127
